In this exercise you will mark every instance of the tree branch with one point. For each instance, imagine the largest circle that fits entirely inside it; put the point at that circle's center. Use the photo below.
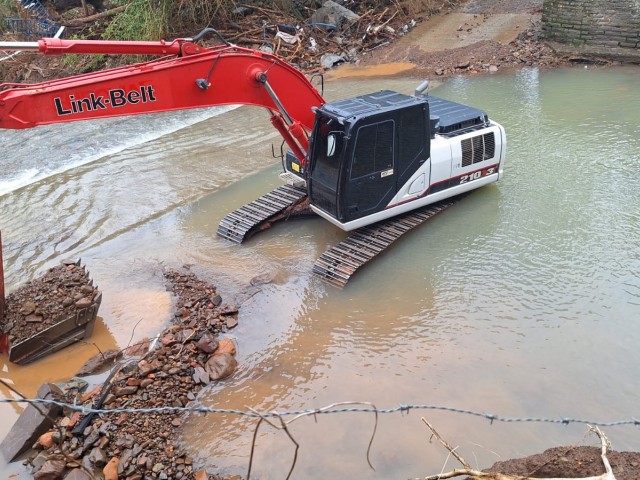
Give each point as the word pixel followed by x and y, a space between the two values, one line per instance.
pixel 78 22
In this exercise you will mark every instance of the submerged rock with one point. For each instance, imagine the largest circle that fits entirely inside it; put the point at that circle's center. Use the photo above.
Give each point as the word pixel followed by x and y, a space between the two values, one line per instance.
pixel 221 365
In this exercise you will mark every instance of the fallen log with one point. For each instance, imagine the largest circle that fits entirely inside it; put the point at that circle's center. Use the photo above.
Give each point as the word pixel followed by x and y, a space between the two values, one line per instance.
pixel 78 22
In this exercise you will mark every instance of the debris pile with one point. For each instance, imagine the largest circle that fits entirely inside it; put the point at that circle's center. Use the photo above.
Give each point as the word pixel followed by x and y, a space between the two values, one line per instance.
pixel 490 55
pixel 330 35
pixel 169 371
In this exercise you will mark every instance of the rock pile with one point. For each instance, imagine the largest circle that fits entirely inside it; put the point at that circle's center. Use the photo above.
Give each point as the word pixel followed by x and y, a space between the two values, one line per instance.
pixel 185 358
pixel 490 56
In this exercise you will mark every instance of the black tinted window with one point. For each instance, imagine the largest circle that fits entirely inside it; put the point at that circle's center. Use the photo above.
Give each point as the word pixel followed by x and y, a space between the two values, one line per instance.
pixel 374 149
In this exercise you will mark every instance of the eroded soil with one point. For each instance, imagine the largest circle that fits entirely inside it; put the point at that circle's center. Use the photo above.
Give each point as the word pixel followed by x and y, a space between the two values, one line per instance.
pixel 571 462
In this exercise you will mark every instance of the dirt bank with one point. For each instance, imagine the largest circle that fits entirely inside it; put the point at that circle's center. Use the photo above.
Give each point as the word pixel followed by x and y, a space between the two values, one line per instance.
pixel 475 37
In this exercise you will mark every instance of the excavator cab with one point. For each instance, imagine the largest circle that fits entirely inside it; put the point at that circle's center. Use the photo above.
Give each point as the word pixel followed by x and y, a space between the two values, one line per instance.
pixel 363 149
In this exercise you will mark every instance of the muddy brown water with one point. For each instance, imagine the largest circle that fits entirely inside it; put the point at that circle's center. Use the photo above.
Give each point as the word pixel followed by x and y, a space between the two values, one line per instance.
pixel 522 300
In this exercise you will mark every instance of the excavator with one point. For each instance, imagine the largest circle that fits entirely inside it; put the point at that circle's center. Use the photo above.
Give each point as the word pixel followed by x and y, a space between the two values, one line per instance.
pixel 374 165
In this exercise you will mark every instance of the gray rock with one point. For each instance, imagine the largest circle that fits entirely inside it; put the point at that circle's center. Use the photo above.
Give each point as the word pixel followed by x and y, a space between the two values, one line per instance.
pixel 232 322
pixel 329 60
pixel 332 13
pixel 86 463
pixel 126 457
pixel 98 457
pixel 33 422
pixel 98 363
pixel 221 366
pixel 51 470
pixel 242 11
pixel 37 462
pixel 200 375
pixel 122 391
pixel 92 438
pixel 207 343
pixel 77 474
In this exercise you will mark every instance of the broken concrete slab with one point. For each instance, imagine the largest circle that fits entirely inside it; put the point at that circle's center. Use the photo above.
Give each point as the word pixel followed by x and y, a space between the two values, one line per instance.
pixel 35 420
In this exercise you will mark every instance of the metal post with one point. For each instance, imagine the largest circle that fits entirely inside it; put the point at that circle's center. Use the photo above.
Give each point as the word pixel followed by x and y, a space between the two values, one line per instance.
pixel 1 283
pixel 19 46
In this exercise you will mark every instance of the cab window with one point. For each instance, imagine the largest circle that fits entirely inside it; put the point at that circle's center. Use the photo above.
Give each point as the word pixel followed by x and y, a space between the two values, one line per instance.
pixel 373 152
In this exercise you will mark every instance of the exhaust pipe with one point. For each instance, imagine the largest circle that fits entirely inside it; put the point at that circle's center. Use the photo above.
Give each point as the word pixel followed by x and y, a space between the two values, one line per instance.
pixel 421 88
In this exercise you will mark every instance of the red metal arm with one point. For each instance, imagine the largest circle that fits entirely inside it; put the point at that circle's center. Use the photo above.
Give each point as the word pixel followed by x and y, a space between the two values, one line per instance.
pixel 200 77
pixel 58 46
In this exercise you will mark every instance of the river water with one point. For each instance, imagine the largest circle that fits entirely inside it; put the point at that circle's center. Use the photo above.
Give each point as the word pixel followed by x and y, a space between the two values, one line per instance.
pixel 523 300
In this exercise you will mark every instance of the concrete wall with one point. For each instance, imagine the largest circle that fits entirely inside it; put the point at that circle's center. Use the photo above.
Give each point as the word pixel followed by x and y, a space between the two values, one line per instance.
pixel 609 28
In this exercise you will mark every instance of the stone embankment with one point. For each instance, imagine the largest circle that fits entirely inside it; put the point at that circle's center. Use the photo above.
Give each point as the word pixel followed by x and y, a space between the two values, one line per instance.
pixel 591 27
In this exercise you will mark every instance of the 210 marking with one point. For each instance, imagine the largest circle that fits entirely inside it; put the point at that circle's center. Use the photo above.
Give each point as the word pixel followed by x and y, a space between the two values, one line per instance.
pixel 476 175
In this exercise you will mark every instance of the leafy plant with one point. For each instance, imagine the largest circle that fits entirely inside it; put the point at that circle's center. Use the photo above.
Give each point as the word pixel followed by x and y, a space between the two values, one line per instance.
pixel 8 8
pixel 141 20
pixel 160 19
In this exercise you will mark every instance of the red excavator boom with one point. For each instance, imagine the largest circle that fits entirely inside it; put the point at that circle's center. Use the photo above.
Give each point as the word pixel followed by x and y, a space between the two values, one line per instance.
pixel 188 76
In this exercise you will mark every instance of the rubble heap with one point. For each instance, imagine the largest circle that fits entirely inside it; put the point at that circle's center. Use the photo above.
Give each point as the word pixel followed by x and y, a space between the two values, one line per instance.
pixel 166 372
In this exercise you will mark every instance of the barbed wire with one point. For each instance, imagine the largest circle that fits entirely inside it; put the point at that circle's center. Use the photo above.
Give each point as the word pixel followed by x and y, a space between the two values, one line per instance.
pixel 330 409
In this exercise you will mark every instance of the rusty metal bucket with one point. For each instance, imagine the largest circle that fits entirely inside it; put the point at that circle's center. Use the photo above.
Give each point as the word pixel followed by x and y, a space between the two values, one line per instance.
pixel 65 330
pixel 69 329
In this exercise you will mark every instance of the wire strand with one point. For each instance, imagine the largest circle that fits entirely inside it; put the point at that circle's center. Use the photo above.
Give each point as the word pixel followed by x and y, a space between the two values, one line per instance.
pixel 329 410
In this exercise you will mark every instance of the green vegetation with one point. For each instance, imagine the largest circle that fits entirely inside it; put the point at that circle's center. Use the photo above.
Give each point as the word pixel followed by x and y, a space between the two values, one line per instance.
pixel 141 20
pixel 161 19
pixel 7 9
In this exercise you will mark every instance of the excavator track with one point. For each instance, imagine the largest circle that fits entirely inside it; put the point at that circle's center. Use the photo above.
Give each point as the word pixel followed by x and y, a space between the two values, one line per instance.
pixel 240 224
pixel 336 265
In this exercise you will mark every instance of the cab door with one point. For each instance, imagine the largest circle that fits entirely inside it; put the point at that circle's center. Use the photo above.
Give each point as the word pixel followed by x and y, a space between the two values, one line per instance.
pixel 371 174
